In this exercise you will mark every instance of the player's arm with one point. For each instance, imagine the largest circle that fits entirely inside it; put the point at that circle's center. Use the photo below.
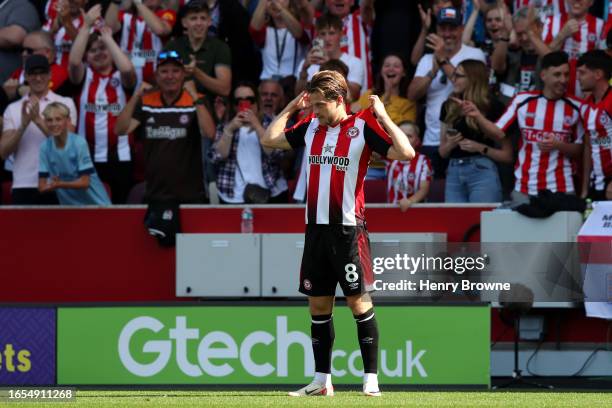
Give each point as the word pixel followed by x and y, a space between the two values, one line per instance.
pixel 401 148
pixel 274 136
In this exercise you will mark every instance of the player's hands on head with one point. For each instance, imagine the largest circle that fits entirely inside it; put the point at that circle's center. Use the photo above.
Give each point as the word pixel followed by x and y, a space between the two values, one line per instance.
pixel 377 106
pixel 302 101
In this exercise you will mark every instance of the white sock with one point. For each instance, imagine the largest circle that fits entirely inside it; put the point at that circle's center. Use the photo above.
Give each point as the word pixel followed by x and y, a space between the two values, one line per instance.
pixel 370 381
pixel 323 378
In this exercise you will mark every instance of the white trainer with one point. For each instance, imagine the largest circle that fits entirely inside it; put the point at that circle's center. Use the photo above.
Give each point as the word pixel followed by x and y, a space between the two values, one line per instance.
pixel 313 389
pixel 371 391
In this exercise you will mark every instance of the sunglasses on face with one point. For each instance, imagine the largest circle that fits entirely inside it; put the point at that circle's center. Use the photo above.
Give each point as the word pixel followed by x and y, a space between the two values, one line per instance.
pixel 251 99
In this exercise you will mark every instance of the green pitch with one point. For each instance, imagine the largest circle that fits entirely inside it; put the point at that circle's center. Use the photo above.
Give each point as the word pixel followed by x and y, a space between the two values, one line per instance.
pixel 252 399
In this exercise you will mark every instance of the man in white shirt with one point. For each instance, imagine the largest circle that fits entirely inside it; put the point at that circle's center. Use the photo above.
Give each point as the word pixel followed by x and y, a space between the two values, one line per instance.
pixel 329 29
pixel 24 131
pixel 431 78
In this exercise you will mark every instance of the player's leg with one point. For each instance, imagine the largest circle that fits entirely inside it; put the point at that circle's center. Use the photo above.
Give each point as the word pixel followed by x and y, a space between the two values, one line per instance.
pixel 318 282
pixel 353 266
pixel 367 334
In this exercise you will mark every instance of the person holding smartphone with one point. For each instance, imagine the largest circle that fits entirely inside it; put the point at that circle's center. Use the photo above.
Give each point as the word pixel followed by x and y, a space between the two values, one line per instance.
pixel 238 156
pixel 472 175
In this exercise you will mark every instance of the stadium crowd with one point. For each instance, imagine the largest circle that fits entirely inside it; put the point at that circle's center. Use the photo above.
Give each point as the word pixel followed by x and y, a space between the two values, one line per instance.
pixel 165 101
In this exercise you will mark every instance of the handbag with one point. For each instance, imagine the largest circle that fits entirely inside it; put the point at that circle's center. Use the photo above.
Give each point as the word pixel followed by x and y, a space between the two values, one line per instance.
pixel 254 193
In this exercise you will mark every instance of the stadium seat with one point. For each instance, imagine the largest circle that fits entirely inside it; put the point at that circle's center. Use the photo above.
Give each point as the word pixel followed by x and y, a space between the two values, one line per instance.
pixel 136 194
pixel 6 193
pixel 375 191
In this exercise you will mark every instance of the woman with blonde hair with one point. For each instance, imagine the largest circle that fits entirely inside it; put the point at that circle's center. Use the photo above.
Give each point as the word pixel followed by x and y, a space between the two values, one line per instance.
pixel 472 175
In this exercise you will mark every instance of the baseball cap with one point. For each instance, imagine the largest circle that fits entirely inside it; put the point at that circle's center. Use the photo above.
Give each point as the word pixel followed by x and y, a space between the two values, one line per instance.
pixel 450 15
pixel 36 63
pixel 169 56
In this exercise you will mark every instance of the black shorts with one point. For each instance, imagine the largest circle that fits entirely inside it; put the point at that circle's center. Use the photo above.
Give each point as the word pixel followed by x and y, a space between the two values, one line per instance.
pixel 336 254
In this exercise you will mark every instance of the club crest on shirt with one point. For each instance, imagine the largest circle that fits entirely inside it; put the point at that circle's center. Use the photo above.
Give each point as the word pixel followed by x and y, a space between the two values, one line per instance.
pixel 307 284
pixel 352 132
pixel 604 119
pixel 568 121
pixel 184 119
pixel 114 82
pixel 592 37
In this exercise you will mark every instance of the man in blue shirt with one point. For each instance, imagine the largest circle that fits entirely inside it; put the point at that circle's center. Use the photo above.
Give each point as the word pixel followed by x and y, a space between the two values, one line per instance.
pixel 65 164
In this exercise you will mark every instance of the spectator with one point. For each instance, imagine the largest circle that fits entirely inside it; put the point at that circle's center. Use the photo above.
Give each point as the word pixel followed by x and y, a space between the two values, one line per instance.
pixel 428 26
pixel 594 72
pixel 272 98
pixel 575 33
pixel 329 31
pixel 551 132
pixel 24 131
pixel 39 43
pixel 545 8
pixel 517 69
pixel 144 27
pixel 64 27
pixel 278 32
pixel 241 159
pixel 355 31
pixel 106 78
pixel 65 164
pixel 391 85
pixel 431 78
pixel 174 119
pixel 207 59
pixel 408 180
pixel 472 175
pixel 17 18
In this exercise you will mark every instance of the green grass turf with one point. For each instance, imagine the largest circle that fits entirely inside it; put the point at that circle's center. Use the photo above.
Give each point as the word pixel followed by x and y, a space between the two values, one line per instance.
pixel 252 399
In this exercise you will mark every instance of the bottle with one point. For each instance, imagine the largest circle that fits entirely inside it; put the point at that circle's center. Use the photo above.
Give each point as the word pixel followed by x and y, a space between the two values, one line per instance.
pixel 246 226
pixel 589 208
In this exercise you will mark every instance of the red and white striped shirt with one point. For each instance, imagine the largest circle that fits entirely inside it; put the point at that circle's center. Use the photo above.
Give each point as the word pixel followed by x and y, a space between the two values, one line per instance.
pixel 338 160
pixel 355 41
pixel 538 118
pixel 101 101
pixel 587 38
pixel 141 44
pixel 50 9
pixel 62 40
pixel 404 178
pixel 546 8
pixel 597 119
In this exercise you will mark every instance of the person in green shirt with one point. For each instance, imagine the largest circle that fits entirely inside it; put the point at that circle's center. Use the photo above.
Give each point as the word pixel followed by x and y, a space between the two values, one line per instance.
pixel 207 60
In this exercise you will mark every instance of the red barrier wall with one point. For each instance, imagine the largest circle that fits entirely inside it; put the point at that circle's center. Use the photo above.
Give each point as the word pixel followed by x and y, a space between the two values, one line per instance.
pixel 105 255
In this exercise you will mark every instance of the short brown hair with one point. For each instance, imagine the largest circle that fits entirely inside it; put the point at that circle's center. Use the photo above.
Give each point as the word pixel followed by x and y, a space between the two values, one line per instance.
pixel 329 21
pixel 330 84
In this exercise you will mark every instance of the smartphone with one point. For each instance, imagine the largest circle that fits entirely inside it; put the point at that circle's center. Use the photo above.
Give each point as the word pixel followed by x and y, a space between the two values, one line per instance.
pixel 244 106
pixel 451 132
pixel 318 47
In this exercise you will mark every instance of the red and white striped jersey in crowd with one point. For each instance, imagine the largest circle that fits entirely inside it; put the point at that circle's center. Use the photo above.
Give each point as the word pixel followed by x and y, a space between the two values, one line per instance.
pixel 101 101
pixel 546 8
pixel 62 40
pixel 141 43
pixel 587 38
pixel 597 119
pixel 338 160
pixel 539 118
pixel 405 177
